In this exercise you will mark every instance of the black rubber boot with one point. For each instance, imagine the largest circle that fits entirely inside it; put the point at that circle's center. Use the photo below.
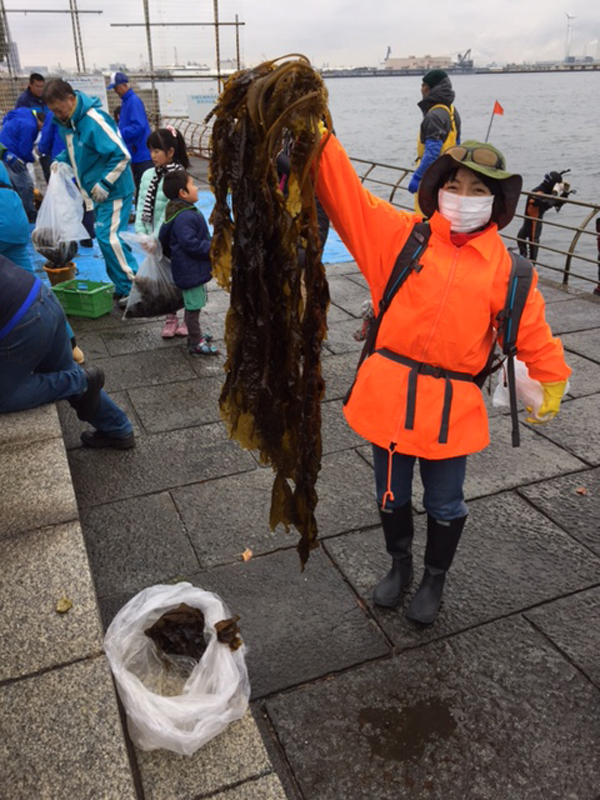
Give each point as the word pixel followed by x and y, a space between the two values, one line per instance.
pixel 398 531
pixel 442 541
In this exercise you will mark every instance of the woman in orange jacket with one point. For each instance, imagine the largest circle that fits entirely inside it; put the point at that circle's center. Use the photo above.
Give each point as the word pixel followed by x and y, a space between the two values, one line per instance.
pixel 414 397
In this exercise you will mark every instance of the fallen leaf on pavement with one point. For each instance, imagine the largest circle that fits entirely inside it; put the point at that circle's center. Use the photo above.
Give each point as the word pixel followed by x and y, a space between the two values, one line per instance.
pixel 63 605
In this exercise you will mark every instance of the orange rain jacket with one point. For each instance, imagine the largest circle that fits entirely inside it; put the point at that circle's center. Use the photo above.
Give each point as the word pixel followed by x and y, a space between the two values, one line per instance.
pixel 444 315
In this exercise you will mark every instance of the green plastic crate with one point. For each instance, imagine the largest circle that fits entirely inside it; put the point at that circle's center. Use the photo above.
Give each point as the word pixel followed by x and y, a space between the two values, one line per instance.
pixel 82 298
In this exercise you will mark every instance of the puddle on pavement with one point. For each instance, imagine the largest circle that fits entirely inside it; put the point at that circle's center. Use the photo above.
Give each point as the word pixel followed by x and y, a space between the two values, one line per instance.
pixel 401 734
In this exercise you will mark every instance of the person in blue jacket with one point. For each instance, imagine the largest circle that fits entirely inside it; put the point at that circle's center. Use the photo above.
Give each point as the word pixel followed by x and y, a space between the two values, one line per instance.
pixel 134 127
pixel 31 97
pixel 36 361
pixel 20 128
pixel 14 226
pixel 185 240
pixel 101 163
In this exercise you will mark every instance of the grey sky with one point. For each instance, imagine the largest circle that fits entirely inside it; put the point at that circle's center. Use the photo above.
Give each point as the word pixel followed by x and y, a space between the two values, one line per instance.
pixel 334 32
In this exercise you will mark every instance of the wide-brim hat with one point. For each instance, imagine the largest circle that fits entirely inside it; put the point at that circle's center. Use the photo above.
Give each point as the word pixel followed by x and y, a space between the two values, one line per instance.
pixel 479 157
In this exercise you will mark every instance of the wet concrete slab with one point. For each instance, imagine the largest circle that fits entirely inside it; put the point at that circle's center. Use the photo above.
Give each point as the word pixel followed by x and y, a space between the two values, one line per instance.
pixel 572 430
pixel 585 378
pixel 495 713
pixel 572 315
pixel 60 736
pixel 158 462
pixel 573 503
pixel 297 625
pixel 510 558
pixel 241 504
pixel 138 338
pixel 335 431
pixel 570 624
pixel 347 294
pixel 136 543
pixel 586 344
pixel 176 405
pixel 338 373
pixel 340 339
pixel 145 369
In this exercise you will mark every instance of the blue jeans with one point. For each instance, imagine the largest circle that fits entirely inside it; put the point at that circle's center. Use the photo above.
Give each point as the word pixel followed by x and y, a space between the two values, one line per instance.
pixel 21 180
pixel 443 480
pixel 37 367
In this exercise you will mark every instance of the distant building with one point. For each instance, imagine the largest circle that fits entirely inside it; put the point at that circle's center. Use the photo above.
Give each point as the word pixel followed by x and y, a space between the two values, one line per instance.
pixel 418 62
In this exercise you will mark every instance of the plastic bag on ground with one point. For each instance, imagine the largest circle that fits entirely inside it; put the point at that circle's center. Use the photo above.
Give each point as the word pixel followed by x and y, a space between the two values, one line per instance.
pixel 59 225
pixel 153 292
pixel 530 393
pixel 215 693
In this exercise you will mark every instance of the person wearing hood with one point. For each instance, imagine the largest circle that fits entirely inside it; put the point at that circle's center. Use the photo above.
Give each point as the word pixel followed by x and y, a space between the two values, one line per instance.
pixel 101 163
pixel 551 193
pixel 414 396
pixel 440 128
pixel 20 128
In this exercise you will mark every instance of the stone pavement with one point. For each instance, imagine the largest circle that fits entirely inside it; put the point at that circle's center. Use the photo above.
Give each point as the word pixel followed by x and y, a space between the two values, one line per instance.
pixel 498 700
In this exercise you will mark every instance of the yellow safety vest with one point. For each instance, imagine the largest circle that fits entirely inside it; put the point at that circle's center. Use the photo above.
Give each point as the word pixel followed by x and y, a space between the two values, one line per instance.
pixel 449 141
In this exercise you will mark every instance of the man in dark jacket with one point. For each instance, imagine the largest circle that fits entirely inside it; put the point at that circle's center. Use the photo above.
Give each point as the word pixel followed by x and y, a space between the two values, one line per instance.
pixel 440 128
pixel 133 125
pixel 20 128
pixel 36 361
pixel 185 240
pixel 31 97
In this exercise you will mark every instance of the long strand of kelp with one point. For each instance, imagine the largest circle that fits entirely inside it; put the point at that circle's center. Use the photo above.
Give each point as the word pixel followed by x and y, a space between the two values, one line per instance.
pixel 276 322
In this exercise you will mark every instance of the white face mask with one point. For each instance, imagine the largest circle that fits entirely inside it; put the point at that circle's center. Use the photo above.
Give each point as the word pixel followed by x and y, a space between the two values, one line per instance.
pixel 465 213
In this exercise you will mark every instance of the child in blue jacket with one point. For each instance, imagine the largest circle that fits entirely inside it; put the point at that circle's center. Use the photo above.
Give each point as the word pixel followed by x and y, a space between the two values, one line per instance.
pixel 185 240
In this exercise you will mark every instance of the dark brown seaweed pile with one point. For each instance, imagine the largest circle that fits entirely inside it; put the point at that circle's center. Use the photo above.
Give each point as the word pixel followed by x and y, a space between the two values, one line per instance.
pixel 56 251
pixel 277 318
pixel 180 632
pixel 153 299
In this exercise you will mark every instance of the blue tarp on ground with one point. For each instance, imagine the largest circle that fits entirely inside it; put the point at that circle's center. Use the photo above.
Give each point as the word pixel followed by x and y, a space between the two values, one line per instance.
pixel 90 264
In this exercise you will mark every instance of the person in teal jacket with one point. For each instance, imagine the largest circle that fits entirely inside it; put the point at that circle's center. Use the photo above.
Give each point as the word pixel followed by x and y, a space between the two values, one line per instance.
pixel 101 162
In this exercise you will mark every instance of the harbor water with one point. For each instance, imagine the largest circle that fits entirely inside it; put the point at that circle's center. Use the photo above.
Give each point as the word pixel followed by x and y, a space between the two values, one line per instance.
pixel 550 122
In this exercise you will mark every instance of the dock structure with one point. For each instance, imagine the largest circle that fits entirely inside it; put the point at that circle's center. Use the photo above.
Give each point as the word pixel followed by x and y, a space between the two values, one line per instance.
pixel 499 698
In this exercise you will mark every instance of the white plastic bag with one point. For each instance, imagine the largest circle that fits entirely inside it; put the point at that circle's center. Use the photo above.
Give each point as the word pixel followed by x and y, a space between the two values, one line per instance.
pixel 59 225
pixel 153 291
pixel 530 393
pixel 215 693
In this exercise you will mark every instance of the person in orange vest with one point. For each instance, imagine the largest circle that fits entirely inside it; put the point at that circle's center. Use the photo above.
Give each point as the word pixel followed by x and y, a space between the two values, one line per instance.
pixel 551 193
pixel 414 396
pixel 440 128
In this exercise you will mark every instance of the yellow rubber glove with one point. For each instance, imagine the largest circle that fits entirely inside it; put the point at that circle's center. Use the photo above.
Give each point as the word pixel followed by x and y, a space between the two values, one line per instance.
pixel 553 394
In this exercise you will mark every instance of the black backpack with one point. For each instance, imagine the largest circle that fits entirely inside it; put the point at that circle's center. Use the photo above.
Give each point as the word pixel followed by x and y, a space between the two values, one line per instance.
pixel 521 276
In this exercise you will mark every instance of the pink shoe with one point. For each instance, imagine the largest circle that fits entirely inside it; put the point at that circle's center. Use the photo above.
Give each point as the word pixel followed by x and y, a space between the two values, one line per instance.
pixel 182 330
pixel 170 328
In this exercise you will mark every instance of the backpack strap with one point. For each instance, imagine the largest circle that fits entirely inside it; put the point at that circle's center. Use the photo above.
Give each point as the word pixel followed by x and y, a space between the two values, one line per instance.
pixel 519 284
pixel 406 262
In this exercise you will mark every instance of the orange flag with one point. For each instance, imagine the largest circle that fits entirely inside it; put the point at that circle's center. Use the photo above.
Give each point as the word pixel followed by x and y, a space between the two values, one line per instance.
pixel 497 108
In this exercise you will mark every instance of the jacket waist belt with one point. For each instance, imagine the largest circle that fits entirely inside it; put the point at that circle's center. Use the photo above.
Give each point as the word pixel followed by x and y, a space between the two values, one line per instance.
pixel 420 368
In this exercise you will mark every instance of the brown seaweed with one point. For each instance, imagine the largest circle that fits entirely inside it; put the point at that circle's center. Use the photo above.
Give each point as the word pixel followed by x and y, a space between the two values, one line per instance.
pixel 276 322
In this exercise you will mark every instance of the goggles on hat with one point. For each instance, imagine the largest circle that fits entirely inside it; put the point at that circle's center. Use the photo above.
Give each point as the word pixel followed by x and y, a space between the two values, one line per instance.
pixel 483 156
